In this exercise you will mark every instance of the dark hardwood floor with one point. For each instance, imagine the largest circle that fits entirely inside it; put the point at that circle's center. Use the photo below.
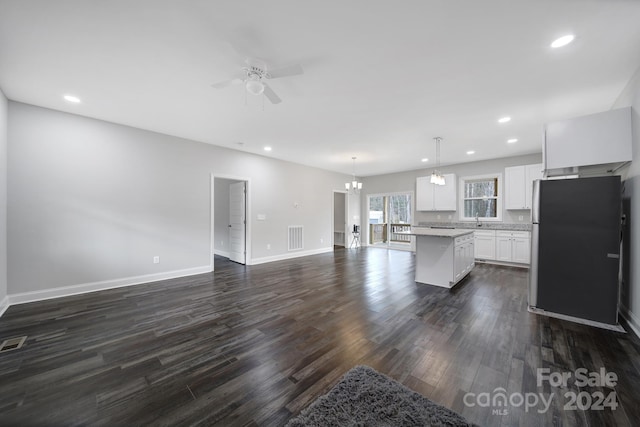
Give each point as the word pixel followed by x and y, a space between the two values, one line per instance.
pixel 255 345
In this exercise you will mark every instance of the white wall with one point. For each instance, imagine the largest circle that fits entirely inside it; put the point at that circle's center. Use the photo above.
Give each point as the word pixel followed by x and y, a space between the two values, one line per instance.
pixel 92 201
pixel 630 294
pixel 3 201
pixel 406 182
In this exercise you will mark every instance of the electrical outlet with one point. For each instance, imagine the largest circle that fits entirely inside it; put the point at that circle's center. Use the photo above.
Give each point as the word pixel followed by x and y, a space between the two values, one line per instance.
pixel 449 216
pixel 520 218
pixel 438 216
pixel 321 240
pixel 221 242
pixel 268 246
pixel 156 259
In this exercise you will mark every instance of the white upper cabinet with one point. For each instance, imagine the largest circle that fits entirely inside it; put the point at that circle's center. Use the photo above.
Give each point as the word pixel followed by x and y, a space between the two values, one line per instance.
pixel 431 197
pixel 519 185
pixel 596 139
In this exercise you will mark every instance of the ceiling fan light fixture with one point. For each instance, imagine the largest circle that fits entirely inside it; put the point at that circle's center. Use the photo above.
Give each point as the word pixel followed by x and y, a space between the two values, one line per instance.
pixel 254 86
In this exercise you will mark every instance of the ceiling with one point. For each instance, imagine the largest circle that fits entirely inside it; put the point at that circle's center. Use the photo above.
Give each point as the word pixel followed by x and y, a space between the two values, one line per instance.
pixel 382 78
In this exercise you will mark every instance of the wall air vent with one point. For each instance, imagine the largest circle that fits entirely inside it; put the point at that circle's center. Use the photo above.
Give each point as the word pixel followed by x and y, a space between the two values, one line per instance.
pixel 296 237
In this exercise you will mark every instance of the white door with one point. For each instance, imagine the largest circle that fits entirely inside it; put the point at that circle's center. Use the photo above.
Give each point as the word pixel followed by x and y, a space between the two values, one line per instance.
pixel 237 222
pixel 340 235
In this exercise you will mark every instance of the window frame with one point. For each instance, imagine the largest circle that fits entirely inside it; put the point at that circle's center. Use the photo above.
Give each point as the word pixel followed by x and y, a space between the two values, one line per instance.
pixel 499 196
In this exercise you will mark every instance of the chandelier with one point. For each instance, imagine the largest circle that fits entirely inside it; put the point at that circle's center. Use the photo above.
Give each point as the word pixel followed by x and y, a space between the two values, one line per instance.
pixel 354 184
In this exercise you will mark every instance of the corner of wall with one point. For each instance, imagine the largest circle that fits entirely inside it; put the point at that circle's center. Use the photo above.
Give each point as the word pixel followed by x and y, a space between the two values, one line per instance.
pixel 4 120
pixel 630 292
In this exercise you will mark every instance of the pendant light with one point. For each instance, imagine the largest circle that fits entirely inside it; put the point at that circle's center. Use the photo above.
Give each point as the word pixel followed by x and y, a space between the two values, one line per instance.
pixel 436 177
pixel 353 185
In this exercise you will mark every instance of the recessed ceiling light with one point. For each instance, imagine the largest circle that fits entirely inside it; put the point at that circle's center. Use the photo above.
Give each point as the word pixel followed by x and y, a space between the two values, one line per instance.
pixel 504 119
pixel 425 160
pixel 72 98
pixel 512 140
pixel 471 152
pixel 267 148
pixel 562 41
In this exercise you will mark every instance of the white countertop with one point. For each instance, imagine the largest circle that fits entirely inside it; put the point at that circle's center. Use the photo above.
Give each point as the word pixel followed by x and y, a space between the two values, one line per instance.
pixel 438 232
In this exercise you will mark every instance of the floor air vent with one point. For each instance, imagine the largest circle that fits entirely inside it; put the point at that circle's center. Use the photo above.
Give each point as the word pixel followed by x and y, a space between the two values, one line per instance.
pixel 12 344
pixel 296 238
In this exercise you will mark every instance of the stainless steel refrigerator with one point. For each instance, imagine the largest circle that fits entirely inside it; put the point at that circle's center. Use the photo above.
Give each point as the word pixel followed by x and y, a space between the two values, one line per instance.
pixel 575 248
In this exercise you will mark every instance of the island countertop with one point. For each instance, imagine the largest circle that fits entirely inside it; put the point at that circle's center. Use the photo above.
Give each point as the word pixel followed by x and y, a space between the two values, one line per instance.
pixel 438 232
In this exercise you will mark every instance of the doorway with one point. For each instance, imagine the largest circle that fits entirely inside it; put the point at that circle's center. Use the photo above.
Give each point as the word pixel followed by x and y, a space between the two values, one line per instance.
pixel 340 219
pixel 389 217
pixel 230 236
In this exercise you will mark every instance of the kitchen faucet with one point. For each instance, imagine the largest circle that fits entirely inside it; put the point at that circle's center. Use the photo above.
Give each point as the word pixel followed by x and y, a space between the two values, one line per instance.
pixel 478 223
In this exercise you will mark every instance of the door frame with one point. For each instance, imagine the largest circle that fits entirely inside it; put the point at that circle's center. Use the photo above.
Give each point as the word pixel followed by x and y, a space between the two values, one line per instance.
pixel 412 245
pixel 346 217
pixel 247 181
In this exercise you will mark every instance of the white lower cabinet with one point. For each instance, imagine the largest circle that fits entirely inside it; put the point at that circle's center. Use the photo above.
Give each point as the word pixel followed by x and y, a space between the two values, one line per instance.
pixel 443 260
pixel 485 244
pixel 513 246
pixel 463 258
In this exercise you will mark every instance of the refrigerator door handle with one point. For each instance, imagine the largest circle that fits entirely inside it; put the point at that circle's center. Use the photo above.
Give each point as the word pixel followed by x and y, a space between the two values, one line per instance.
pixel 616 256
pixel 533 267
pixel 535 202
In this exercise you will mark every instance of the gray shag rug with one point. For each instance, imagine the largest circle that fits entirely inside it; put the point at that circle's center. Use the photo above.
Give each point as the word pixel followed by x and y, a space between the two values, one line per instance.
pixel 365 397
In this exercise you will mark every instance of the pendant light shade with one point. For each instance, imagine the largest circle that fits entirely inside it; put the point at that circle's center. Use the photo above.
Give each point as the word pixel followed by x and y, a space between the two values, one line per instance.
pixel 436 177
pixel 354 185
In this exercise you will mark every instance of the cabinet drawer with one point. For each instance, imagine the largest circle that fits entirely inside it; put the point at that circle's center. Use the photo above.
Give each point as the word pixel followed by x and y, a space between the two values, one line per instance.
pixel 485 233
pixel 463 239
pixel 513 234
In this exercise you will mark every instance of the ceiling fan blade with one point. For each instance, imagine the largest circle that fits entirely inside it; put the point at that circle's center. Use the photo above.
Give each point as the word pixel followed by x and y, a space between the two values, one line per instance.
pixel 292 70
pixel 271 95
pixel 237 79
pixel 227 83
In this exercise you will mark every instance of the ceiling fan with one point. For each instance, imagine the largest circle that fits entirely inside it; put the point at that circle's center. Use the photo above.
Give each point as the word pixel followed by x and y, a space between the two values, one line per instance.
pixel 254 76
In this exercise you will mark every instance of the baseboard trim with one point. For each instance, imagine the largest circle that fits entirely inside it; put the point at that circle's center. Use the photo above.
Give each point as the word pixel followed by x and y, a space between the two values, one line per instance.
pixel 502 263
pixel 616 327
pixel 632 320
pixel 4 304
pixel 64 291
pixel 221 253
pixel 290 255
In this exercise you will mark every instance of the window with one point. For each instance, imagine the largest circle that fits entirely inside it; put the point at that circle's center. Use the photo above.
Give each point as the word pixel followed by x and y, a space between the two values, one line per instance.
pixel 481 197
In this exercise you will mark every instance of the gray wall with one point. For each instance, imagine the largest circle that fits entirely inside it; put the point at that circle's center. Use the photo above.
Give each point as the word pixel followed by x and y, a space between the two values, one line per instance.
pixel 92 201
pixel 630 295
pixel 3 197
pixel 406 181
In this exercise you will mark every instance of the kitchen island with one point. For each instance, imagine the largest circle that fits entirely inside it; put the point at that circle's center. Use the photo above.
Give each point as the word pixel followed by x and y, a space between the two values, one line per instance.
pixel 444 256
